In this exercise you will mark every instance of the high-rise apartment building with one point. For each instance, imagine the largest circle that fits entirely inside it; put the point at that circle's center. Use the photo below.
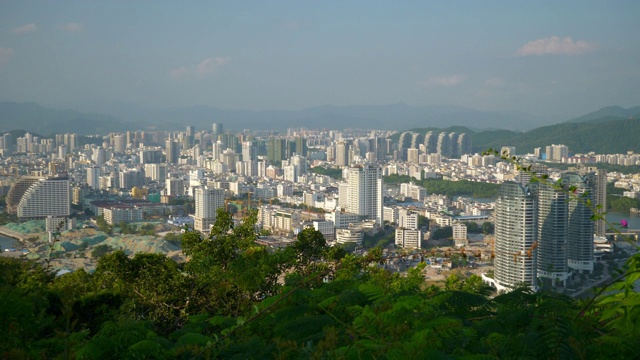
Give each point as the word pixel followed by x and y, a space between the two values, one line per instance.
pixel 464 144
pixel 208 201
pixel 119 143
pixel 156 172
pixel 601 201
pixel 412 156
pixel 276 149
pixel 301 146
pixel 216 130
pixel 552 233
pixel 46 197
pixel 562 229
pixel 172 151
pixel 342 153
pixel 189 136
pixel 443 146
pixel 249 151
pixel 71 140
pixel 364 194
pixel 93 177
pixel 557 152
pixel 515 234
pixel 174 187
pixel 581 227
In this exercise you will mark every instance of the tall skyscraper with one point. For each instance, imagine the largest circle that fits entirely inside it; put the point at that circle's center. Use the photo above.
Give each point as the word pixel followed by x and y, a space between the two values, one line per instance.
pixel 342 153
pixel 444 145
pixel 8 143
pixel 276 149
pixel 580 231
pixel 119 143
pixel 156 172
pixel 93 177
pixel 249 151
pixel 189 137
pixel 601 201
pixel 208 201
pixel 515 235
pixel 412 156
pixel 172 151
pixel 431 142
pixel 464 144
pixel 364 194
pixel 301 146
pixel 216 130
pixel 71 140
pixel 552 234
pixel 453 145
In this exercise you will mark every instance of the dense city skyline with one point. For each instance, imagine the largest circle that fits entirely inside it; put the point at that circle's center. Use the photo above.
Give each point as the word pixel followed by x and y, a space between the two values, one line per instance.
pixel 553 60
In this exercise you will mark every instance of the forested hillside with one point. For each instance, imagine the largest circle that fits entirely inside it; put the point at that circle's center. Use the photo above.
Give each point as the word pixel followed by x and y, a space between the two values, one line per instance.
pixel 605 136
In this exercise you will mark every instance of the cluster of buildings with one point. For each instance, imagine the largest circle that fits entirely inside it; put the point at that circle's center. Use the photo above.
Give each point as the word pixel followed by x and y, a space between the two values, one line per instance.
pixel 544 232
pixel 540 233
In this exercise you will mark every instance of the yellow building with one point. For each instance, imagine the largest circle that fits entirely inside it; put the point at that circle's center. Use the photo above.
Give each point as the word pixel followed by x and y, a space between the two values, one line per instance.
pixel 139 193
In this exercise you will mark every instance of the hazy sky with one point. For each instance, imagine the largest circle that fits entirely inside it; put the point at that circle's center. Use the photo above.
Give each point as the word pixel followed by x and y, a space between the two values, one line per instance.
pixel 555 58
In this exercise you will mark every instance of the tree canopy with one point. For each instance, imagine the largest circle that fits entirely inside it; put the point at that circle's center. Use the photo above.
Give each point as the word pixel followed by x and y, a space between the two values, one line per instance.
pixel 234 298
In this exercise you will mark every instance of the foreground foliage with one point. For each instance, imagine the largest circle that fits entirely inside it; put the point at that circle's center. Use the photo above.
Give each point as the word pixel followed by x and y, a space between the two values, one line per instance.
pixel 237 299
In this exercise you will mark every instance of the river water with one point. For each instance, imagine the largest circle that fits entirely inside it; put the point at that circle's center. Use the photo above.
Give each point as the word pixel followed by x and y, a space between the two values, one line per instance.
pixel 6 243
pixel 632 219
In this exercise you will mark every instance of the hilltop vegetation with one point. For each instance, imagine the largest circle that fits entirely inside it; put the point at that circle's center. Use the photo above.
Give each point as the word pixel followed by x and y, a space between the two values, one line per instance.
pixel 228 302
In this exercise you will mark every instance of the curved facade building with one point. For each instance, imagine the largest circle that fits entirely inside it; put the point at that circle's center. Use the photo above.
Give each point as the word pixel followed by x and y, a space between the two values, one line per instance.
pixel 552 234
pixel 581 227
pixel 17 191
pixel 46 197
pixel 515 236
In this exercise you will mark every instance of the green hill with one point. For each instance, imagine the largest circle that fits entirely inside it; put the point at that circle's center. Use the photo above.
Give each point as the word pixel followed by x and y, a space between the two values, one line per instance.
pixel 604 135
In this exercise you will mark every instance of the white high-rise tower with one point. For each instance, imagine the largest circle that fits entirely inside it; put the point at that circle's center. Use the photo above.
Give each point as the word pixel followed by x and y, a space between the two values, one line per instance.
pixel 208 201
pixel 365 191
pixel 515 235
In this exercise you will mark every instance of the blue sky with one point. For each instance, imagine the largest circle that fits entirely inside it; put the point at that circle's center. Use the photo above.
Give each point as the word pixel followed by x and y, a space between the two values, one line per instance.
pixel 555 59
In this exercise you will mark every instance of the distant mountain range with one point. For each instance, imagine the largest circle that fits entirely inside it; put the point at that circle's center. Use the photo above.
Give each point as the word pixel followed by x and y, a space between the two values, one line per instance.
pixel 124 116
pixel 609 130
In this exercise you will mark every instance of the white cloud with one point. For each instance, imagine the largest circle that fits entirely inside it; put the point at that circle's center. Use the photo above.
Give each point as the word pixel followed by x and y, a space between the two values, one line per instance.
pixel 556 46
pixel 206 67
pixel 5 55
pixel 209 64
pixel 453 80
pixel 72 27
pixel 24 29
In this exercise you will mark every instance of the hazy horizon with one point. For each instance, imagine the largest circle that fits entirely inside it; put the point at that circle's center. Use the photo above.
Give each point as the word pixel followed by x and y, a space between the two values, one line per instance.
pixel 552 60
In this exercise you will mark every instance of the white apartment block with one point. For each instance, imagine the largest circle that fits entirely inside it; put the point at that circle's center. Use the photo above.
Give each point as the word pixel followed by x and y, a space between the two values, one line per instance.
pixel 117 214
pixel 390 214
pixel 341 219
pixel 408 238
pixel 460 234
pixel 45 197
pixel 364 195
pixel 327 229
pixel 208 201
pixel 407 219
